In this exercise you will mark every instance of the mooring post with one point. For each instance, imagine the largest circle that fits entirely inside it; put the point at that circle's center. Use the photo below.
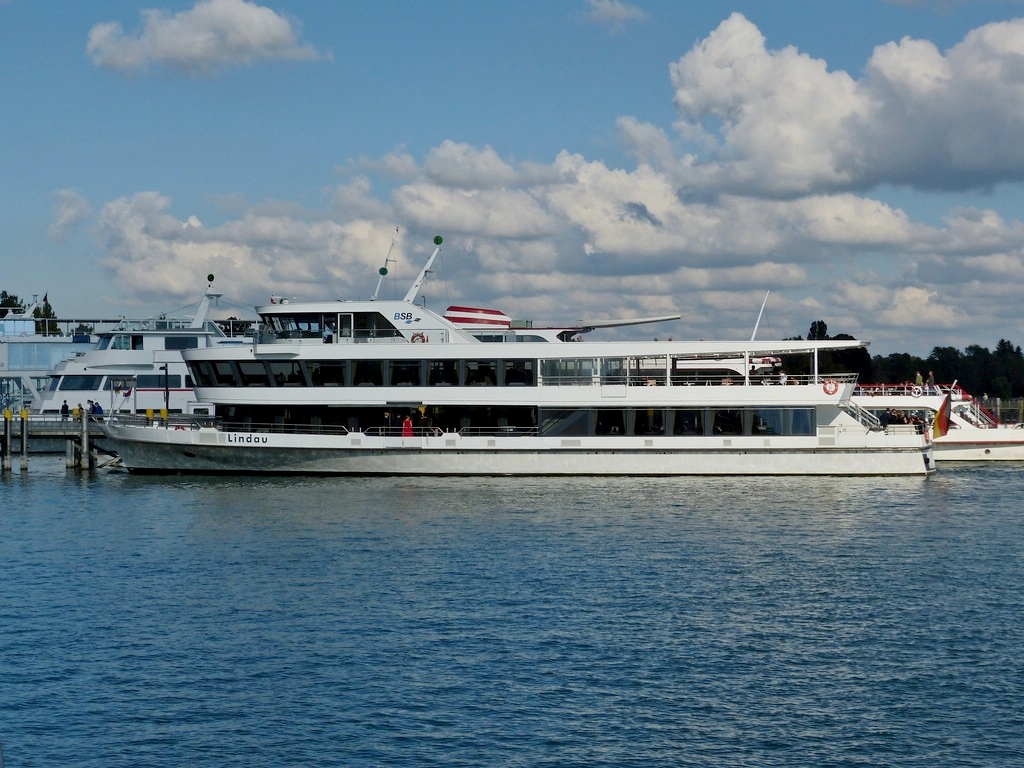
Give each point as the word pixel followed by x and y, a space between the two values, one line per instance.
pixel 86 458
pixel 24 440
pixel 7 440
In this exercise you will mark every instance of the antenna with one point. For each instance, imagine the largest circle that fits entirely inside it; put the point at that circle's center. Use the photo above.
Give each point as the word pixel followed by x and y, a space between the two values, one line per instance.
pixel 383 271
pixel 759 316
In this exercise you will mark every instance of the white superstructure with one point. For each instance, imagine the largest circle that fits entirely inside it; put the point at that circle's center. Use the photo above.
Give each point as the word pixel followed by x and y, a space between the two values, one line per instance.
pixel 391 387
pixel 30 347
pixel 963 429
pixel 136 365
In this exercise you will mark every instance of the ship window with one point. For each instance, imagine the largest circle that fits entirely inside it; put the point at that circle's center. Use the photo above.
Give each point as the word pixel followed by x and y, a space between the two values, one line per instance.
pixel 568 422
pixel 688 421
pixel 80 382
pixel 300 326
pixel 443 373
pixel 480 373
pixel 613 370
pixel 647 370
pixel 224 374
pixel 156 381
pixel 202 372
pixel 181 342
pixel 610 422
pixel 327 374
pixel 253 373
pixel 373 325
pixel 727 421
pixel 568 371
pixel 405 373
pixel 801 421
pixel 649 421
pixel 286 373
pixel 368 373
pixel 121 342
pixel 520 373
pixel 767 421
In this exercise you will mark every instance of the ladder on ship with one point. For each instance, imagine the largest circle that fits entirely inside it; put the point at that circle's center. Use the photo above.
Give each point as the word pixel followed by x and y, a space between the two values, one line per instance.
pixel 864 416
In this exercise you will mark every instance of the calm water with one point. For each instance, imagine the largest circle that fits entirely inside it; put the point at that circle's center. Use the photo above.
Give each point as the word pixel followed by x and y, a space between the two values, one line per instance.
pixel 468 622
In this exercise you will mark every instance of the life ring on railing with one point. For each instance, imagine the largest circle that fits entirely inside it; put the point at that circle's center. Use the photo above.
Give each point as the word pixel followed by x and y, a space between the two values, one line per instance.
pixel 916 391
pixel 831 386
pixel 418 338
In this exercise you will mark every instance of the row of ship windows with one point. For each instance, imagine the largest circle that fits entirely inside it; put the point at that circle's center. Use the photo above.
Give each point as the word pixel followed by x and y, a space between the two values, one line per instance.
pixel 435 373
pixel 99 383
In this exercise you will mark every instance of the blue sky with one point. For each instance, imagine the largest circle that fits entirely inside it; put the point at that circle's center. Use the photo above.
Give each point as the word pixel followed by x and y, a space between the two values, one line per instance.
pixel 583 159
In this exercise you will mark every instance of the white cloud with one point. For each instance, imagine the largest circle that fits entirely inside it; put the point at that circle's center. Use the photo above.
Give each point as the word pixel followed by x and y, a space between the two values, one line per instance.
pixel 70 210
pixel 460 165
pixel 614 13
pixel 212 35
pixel 781 123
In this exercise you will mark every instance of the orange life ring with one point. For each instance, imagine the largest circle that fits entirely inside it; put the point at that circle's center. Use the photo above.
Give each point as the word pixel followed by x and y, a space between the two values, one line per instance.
pixel 831 386
pixel 418 338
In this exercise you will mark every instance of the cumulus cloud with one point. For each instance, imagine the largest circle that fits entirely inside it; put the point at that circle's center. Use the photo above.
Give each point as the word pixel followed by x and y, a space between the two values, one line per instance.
pixel 211 36
pixel 780 122
pixel 70 209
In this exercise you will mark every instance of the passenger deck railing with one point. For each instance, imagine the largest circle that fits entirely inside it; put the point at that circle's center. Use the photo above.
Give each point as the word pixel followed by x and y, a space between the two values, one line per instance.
pixel 683 379
pixel 179 421
pixel 955 391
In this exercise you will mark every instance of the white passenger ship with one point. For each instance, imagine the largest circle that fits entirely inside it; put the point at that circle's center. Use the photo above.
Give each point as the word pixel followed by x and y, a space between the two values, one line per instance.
pixel 963 429
pixel 391 387
pixel 136 365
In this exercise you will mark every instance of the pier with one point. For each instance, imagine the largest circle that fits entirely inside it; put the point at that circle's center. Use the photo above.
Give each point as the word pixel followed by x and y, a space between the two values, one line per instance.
pixel 26 434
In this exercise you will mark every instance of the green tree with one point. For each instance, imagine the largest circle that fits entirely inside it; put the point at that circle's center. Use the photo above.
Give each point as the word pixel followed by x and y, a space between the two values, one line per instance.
pixel 48 326
pixel 9 301
pixel 818 331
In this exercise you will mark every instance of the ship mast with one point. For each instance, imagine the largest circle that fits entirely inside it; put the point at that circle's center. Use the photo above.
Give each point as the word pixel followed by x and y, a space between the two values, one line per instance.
pixel 411 295
pixel 383 271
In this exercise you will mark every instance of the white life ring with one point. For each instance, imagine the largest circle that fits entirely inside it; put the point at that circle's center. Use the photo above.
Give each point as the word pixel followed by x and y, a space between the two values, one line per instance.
pixel 831 386
pixel 418 338
pixel 916 391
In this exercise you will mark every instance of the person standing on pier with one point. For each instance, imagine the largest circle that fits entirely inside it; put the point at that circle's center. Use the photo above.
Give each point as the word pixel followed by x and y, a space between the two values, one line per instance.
pixel 64 411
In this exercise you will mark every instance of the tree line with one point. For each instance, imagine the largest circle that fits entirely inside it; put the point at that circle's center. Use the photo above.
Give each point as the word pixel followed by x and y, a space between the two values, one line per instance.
pixel 980 371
